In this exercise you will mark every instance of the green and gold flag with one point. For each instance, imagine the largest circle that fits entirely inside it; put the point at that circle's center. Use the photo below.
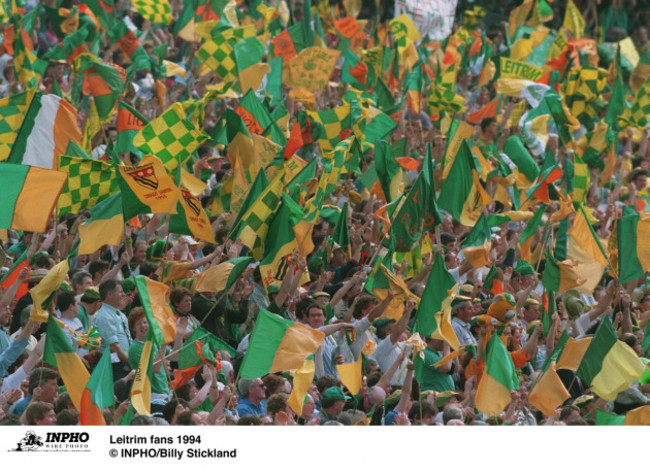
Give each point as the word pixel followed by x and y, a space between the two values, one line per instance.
pixel 170 137
pixel 12 114
pixel 335 122
pixel 217 53
pixel 89 182
pixel 156 11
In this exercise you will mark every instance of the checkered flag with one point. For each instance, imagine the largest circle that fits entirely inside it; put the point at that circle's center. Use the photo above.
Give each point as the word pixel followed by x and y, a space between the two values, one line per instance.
pixel 218 53
pixel 156 11
pixel 641 107
pixel 256 220
pixel 335 122
pixel 89 182
pixel 170 137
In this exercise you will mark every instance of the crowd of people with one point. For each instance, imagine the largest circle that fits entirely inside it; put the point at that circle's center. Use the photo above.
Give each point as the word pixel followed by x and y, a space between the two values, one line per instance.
pixel 589 160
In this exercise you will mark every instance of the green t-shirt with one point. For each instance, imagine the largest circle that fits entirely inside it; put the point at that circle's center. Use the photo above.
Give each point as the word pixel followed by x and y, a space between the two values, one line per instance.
pixel 159 380
pixel 428 375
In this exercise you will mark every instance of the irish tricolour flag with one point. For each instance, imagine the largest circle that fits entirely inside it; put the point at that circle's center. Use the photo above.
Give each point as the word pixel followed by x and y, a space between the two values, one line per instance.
pixel 49 125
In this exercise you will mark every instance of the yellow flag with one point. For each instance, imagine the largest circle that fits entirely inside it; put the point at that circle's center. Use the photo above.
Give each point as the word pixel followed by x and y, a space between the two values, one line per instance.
pixel 312 68
pixel 151 184
pixel 302 379
pixel 141 388
pixel 51 282
pixel 518 17
pixel 404 31
pixel 573 20
pixel 351 375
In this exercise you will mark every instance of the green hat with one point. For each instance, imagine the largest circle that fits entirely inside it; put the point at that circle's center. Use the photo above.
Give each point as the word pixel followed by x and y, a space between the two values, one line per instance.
pixel 273 288
pixel 65 287
pixel 460 299
pixel 334 393
pixel 128 285
pixel 156 250
pixel 530 301
pixel 90 295
pixel 524 268
pixel 381 322
pixel 634 173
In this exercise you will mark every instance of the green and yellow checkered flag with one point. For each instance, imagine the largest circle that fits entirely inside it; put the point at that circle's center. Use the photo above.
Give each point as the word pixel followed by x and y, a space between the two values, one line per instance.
pixel 218 53
pixel 254 224
pixel 170 137
pixel 334 121
pixel 89 182
pixel 12 114
pixel 582 92
pixel 638 114
pixel 581 180
pixel 156 11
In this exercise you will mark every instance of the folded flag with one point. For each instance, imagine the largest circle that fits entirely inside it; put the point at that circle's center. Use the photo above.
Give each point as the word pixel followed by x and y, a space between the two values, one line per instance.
pixel 560 276
pixel 154 298
pixel 50 123
pixel 431 320
pixel 477 245
pixel 98 394
pixel 105 226
pixel 191 218
pixel 60 354
pixel 532 92
pixel 105 82
pixel 44 289
pixel 462 194
pixel 500 378
pixel 302 380
pixel 129 123
pixel 222 276
pixel 633 253
pixel 277 345
pixel 288 233
pixel 28 197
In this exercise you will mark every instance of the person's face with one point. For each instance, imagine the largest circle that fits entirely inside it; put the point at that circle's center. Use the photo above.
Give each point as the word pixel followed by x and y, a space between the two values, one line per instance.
pixel 337 407
pixel 338 257
pixel 492 130
pixel 316 317
pixel 451 261
pixel 466 312
pixel 531 313
pixel 141 327
pixel 257 391
pixel 308 408
pixel 49 391
pixel 640 182
pixel 48 420
pixel 86 283
pixel 117 298
pixel 185 305
pixel 322 301
pixel 140 254
pixel 5 316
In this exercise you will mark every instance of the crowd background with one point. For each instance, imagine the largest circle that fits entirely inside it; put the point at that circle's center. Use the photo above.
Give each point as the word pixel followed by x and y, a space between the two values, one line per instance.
pixel 325 213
